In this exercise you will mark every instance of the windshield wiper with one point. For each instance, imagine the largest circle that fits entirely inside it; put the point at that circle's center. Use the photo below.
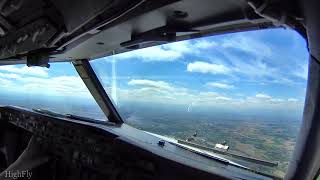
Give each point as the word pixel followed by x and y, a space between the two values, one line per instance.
pixel 232 154
pixel 222 160
pixel 207 155
pixel 197 151
pixel 48 112
pixel 86 119
pixel 71 116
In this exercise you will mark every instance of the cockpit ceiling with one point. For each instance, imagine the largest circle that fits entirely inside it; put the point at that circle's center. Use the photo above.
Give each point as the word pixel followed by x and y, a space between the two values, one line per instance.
pixel 81 29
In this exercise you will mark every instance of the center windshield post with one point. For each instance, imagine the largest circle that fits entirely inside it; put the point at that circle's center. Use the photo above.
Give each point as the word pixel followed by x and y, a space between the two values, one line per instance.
pixel 93 84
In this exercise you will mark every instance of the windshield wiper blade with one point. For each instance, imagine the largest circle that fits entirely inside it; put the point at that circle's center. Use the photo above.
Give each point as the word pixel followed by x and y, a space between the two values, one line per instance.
pixel 232 154
pixel 197 151
pixel 222 160
pixel 202 153
pixel 48 112
pixel 86 119
pixel 207 155
pixel 210 155
pixel 70 116
pixel 180 143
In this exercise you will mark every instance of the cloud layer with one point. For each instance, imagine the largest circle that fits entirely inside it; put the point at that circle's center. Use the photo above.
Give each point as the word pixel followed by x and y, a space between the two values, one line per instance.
pixel 163 92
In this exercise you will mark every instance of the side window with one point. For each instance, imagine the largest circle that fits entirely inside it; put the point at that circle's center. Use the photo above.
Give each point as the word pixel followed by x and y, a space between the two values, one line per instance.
pixel 58 89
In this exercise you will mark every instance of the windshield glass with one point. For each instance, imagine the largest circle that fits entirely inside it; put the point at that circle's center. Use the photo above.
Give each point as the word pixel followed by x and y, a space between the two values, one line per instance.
pixel 58 89
pixel 242 92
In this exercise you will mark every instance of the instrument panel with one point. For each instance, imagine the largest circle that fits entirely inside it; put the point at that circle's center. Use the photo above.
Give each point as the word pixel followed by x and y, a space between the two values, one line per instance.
pixel 81 151
pixel 72 146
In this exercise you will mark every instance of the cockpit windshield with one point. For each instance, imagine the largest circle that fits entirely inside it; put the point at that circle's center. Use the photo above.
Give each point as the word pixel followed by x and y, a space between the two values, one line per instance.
pixel 240 93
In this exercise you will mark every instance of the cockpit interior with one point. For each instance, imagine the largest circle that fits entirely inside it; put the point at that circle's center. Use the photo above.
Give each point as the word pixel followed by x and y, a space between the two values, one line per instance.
pixel 170 89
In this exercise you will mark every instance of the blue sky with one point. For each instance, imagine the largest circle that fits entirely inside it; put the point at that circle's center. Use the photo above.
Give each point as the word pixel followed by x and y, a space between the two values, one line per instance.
pixel 256 67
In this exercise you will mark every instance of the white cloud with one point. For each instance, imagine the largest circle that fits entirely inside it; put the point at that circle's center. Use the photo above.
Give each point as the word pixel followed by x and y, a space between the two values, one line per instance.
pixel 263 96
pixel 5 83
pixel 260 66
pixel 33 71
pixel 265 99
pixel 204 97
pixel 150 83
pixel 252 68
pixel 60 86
pixel 293 100
pixel 302 72
pixel 180 47
pixel 156 53
pixel 276 100
pixel 220 85
pixel 51 86
pixel 248 44
pixel 10 75
pixel 223 98
pixel 266 63
pixel 204 67
pixel 204 44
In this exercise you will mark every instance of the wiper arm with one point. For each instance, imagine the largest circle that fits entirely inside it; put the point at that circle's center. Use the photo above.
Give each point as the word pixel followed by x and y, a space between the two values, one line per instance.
pixel 222 160
pixel 197 150
pixel 207 155
pixel 48 112
pixel 86 119
pixel 71 116
pixel 232 154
